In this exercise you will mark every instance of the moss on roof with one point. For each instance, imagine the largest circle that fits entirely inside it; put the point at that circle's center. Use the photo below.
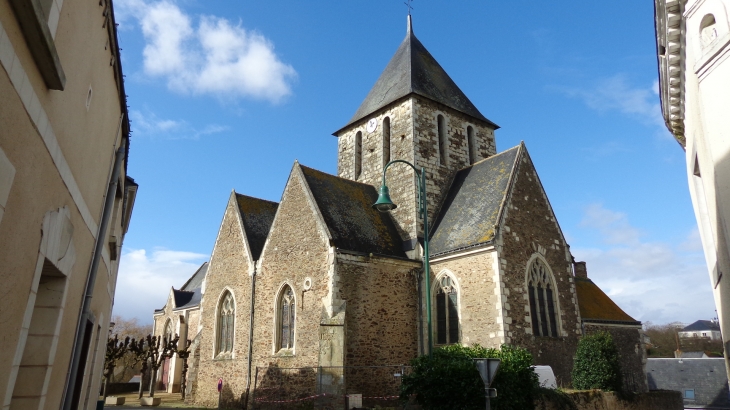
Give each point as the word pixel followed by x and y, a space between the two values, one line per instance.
pixel 346 207
pixel 257 216
pixel 595 304
pixel 470 211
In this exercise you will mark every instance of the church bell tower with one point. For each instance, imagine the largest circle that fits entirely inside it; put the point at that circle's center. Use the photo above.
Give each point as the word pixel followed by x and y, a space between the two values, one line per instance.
pixel 414 112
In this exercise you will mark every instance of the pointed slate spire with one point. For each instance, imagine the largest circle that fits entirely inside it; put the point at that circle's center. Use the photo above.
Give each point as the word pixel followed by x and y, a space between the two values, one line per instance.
pixel 413 70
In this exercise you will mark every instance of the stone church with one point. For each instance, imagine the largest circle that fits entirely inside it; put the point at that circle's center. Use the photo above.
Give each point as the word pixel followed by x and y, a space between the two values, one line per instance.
pixel 322 279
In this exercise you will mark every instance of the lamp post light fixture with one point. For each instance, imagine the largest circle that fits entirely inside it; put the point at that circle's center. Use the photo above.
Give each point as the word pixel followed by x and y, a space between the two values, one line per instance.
pixel 385 204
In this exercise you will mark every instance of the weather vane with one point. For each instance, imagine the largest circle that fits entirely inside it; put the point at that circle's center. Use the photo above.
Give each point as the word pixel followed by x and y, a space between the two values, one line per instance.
pixel 408 4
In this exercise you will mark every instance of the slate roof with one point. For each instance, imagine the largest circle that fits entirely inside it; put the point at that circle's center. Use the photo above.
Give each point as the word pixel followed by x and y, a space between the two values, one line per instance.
pixel 413 70
pixel 701 325
pixel 595 305
pixel 707 377
pixel 196 280
pixel 185 298
pixel 257 216
pixel 346 207
pixel 472 206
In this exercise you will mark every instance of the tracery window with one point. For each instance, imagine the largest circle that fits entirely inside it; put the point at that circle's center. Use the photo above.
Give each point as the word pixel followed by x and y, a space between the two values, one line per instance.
pixel 167 334
pixel 226 318
pixel 541 293
pixel 447 312
pixel 287 318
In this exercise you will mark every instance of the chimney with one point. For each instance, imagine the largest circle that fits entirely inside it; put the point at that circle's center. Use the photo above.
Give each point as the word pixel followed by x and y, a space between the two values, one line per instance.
pixel 579 268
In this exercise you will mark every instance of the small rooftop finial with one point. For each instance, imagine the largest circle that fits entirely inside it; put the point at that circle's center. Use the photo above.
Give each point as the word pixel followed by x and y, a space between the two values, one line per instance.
pixel 409 29
pixel 408 4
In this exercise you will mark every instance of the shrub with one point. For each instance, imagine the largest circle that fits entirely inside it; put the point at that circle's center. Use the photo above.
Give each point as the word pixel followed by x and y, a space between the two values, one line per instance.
pixel 448 379
pixel 596 364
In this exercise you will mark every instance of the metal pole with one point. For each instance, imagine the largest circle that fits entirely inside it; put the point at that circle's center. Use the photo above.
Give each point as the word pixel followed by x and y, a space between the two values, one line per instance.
pixel 426 267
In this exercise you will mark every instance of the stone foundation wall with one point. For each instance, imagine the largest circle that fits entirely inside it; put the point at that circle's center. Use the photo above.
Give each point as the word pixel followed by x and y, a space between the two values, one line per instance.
pixel 598 400
pixel 530 228
pixel 631 352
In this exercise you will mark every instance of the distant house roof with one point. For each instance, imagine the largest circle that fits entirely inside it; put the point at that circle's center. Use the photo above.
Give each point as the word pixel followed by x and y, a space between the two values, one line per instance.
pixel 472 206
pixel 413 70
pixel 196 280
pixel 701 325
pixel 596 306
pixel 346 207
pixel 257 216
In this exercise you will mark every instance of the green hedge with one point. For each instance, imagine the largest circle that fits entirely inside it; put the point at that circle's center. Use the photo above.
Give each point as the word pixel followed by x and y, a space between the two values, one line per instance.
pixel 448 379
pixel 596 364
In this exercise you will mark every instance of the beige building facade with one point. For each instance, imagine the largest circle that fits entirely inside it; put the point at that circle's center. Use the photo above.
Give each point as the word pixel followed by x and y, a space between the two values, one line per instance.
pixel 65 198
pixel 693 46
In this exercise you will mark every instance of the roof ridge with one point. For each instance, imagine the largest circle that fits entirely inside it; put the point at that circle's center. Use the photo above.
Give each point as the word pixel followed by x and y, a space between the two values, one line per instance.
pixel 253 197
pixel 490 157
pixel 336 176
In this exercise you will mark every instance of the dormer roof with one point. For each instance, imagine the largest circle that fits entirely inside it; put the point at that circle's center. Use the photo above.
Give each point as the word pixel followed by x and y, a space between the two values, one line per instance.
pixel 413 70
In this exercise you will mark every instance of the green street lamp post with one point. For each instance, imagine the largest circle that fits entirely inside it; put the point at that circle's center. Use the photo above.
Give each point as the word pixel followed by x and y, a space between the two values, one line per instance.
pixel 385 204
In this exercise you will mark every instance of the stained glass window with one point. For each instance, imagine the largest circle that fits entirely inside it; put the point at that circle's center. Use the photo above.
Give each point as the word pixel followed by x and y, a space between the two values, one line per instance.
pixel 287 319
pixel 543 312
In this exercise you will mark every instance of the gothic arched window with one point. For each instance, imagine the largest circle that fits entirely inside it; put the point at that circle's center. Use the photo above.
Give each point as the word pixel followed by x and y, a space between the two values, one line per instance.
pixel 167 334
pixel 447 312
pixel 471 144
pixel 441 128
pixel 226 318
pixel 287 318
pixel 386 140
pixel 358 155
pixel 541 294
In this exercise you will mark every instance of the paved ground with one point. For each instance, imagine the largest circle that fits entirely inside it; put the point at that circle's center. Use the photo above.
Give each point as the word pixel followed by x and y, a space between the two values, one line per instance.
pixel 169 401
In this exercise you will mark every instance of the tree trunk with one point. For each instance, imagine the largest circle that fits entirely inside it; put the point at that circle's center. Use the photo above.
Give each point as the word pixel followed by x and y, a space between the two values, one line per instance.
pixel 141 383
pixel 106 383
pixel 153 380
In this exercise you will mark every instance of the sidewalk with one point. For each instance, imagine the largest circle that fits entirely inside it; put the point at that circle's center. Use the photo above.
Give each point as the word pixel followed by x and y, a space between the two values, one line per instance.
pixel 169 401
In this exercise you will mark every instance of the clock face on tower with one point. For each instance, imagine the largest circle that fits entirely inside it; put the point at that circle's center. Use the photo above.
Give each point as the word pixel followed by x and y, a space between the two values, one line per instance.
pixel 372 125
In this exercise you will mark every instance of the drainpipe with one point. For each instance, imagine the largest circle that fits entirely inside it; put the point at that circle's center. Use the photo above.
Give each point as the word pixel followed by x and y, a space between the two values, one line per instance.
pixel 91 278
pixel 250 334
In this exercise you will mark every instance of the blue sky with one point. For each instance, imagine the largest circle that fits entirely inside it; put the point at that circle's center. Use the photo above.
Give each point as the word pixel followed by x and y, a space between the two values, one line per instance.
pixel 227 94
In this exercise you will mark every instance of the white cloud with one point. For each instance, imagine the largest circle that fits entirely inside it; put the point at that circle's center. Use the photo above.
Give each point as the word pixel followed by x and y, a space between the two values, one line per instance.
pixel 216 57
pixel 616 94
pixel 652 281
pixel 145 280
pixel 148 124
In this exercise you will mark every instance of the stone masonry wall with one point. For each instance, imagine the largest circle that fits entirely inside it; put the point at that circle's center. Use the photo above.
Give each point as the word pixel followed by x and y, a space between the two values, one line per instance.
pixel 295 250
pixel 479 315
pixel 530 227
pixel 631 352
pixel 401 180
pixel 382 310
pixel 426 146
pixel 229 269
pixel 414 138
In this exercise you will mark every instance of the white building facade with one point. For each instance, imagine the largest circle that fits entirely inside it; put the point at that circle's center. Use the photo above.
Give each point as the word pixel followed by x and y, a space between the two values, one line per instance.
pixel 693 46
